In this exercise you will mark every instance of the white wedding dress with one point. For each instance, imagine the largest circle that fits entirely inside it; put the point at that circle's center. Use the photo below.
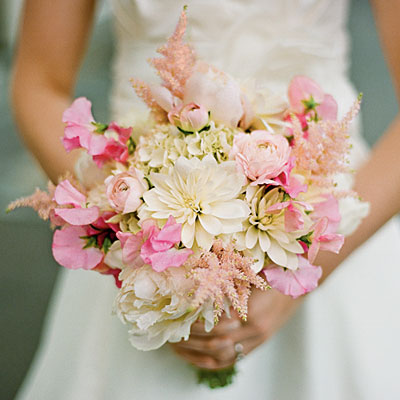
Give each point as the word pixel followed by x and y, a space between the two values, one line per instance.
pixel 343 342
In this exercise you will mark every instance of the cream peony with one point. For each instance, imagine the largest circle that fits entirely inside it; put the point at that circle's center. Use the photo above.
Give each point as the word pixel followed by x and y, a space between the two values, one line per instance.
pixel 201 195
pixel 157 306
pixel 265 231
pixel 217 92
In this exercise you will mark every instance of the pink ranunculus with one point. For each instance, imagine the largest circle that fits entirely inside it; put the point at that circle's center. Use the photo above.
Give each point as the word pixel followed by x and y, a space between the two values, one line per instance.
pixel 324 241
pixel 81 132
pixel 217 92
pixel 125 190
pixel 154 246
pixel 190 117
pixel 77 214
pixel 68 249
pixel 303 89
pixel 261 155
pixel 294 283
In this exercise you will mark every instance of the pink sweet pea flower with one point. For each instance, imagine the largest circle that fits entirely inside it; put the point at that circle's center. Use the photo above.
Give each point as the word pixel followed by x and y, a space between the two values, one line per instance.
pixel 293 216
pixel 292 186
pixel 68 249
pixel 190 117
pixel 305 96
pixel 67 195
pixel 294 283
pixel 324 241
pixel 260 155
pixel 154 246
pixel 81 131
pixel 125 190
pixel 328 208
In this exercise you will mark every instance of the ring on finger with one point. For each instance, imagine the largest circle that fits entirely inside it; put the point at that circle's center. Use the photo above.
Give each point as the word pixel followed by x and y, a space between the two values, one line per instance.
pixel 238 347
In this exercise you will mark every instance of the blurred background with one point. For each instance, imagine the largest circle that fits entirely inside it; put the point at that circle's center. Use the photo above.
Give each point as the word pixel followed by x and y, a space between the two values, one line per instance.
pixel 27 270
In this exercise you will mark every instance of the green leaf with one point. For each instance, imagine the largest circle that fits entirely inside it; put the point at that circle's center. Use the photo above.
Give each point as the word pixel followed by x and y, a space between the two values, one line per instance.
pixel 131 146
pixel 91 241
pixel 106 245
pixel 306 238
pixel 100 128
pixel 215 379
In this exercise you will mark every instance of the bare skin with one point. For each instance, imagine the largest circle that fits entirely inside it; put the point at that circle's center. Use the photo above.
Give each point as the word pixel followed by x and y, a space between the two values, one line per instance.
pixel 51 45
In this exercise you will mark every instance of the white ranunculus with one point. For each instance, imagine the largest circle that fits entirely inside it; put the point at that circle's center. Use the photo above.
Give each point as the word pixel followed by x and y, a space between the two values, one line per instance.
pixel 157 306
pixel 202 195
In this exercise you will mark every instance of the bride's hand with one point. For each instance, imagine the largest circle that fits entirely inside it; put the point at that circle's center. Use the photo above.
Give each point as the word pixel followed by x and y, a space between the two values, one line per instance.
pixel 268 311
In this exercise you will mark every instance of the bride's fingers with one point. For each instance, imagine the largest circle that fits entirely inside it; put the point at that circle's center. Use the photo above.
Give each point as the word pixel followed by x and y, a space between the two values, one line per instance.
pixel 220 348
pixel 197 359
pixel 224 326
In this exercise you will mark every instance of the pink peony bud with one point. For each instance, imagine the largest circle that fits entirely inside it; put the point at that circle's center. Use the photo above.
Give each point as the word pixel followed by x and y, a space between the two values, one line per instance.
pixel 124 191
pixel 190 118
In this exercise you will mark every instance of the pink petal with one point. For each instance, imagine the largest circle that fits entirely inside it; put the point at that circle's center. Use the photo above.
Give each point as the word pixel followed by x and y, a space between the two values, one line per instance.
pixel 313 250
pixel 330 209
pixel 79 113
pixel 94 143
pixel 68 249
pixel 171 258
pixel 293 219
pixel 294 283
pixel 301 88
pixel 131 249
pixel 65 193
pixel 328 109
pixel 71 144
pixel 78 216
pixel 171 231
pixel 123 133
pixel 331 242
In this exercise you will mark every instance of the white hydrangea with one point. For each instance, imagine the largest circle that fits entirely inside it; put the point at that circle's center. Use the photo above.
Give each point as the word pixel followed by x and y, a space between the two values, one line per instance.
pixel 164 144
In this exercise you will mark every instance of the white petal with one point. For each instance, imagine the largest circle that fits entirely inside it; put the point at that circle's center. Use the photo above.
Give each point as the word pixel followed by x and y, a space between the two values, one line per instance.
pixel 232 225
pixel 294 247
pixel 251 237
pixel 280 236
pixel 152 201
pixel 258 256
pixel 230 209
pixel 277 254
pixel 203 238
pixel 187 235
pixel 292 261
pixel 211 224
pixel 263 238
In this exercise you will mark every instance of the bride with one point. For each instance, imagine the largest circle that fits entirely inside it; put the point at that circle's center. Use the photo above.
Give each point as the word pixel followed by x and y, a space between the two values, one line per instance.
pixel 342 342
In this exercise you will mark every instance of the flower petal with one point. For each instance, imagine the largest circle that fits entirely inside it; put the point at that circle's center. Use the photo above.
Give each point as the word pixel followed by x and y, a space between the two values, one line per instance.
pixel 68 249
pixel 65 193
pixel 211 224
pixel 78 216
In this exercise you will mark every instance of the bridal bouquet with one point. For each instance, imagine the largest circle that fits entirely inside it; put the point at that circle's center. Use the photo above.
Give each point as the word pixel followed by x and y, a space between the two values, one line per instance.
pixel 228 187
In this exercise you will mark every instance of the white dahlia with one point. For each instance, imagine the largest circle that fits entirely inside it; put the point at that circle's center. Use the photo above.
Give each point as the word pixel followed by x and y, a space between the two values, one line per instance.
pixel 157 306
pixel 202 195
pixel 265 231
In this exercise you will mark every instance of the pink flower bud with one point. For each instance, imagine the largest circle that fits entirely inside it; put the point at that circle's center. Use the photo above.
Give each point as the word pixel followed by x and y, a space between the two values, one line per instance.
pixel 190 118
pixel 124 191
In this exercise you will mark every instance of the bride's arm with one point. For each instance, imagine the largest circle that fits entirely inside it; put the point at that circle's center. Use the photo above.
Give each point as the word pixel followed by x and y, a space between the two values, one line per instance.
pixel 377 181
pixel 51 44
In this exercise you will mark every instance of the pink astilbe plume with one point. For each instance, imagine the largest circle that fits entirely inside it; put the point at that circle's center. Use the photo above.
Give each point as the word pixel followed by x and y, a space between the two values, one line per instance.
pixel 42 202
pixel 223 273
pixel 324 150
pixel 179 59
pixel 143 90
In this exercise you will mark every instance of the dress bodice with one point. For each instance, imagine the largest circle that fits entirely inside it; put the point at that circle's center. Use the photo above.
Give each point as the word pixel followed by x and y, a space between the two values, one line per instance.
pixel 268 40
